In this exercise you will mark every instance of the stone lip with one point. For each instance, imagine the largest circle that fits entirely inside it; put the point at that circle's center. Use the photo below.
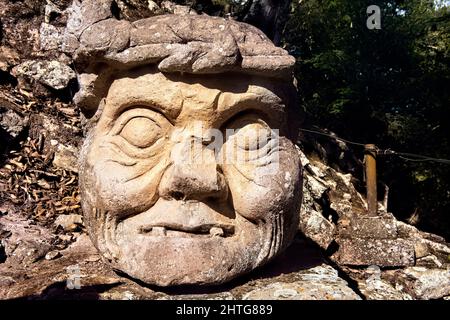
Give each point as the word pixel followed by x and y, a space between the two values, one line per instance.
pixel 197 44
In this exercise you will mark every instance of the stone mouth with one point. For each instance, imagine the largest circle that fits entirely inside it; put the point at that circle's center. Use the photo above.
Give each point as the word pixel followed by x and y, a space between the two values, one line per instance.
pixel 178 230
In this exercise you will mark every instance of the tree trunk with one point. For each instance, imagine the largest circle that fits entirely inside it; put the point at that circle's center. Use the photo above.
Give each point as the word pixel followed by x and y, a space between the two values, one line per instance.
pixel 270 16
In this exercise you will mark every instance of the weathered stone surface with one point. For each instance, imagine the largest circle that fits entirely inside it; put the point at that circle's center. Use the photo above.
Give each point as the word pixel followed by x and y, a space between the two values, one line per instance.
pixel 205 296
pixel 423 283
pixel 381 252
pixel 150 244
pixel 52 255
pixel 328 197
pixel 24 269
pixel 24 243
pixel 319 283
pixel 69 222
pixel 171 7
pixel 137 9
pixel 51 73
pixel 429 261
pixel 47 278
pixel 8 58
pixel 49 37
pixel 317 228
pixel 83 14
pixel 11 122
pixel 196 44
pixel 51 11
pixel 66 157
pixel 425 243
pixel 369 227
pixel 379 289
pixel 300 266
pixel 140 163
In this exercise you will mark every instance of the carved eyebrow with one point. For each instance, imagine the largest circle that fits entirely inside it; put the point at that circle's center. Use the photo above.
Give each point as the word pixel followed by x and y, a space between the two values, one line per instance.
pixel 248 103
pixel 169 113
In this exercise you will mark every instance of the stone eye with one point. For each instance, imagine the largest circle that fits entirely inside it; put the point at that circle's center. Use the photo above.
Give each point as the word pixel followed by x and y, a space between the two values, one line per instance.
pixel 141 132
pixel 252 136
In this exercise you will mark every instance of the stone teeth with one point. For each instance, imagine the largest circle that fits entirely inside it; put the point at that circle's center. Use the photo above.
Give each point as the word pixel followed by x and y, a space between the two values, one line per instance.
pixel 159 231
pixel 216 232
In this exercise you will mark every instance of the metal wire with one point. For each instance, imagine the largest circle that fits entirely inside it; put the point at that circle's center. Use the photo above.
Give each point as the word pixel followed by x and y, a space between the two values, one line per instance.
pixel 334 137
pixel 385 152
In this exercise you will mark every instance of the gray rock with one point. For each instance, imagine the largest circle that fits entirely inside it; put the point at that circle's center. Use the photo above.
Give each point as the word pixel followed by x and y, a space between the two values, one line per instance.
pixel 83 14
pixel 378 289
pixel 369 227
pixel 210 296
pixel 319 283
pixel 50 73
pixel 171 7
pixel 50 11
pixel 52 255
pixel 380 252
pixel 12 122
pixel 49 37
pixel 136 9
pixel 25 243
pixel 66 157
pixel 421 250
pixel 317 228
pixel 424 283
pixel 425 243
pixel 430 261
pixel 69 222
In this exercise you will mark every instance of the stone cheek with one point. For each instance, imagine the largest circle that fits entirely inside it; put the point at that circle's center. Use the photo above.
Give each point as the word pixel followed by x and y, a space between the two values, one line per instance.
pixel 169 205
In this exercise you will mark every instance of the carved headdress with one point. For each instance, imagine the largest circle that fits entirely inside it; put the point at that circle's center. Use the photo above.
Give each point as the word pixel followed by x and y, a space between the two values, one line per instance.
pixel 102 45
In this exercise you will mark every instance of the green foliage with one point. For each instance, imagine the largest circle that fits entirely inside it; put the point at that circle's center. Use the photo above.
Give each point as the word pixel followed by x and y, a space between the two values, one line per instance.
pixel 390 87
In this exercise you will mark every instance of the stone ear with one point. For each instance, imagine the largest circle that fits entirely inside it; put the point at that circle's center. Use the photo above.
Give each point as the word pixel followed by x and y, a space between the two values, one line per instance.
pixel 89 122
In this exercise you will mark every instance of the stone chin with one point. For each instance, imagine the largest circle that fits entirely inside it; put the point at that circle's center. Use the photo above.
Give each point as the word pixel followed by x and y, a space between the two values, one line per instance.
pixel 167 257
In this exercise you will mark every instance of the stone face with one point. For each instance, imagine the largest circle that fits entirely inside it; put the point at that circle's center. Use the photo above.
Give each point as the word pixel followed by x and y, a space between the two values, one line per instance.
pixel 188 174
pixel 159 198
pixel 380 252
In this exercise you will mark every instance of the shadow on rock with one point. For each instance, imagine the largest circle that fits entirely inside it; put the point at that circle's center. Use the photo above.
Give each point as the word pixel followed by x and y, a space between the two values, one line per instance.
pixel 59 291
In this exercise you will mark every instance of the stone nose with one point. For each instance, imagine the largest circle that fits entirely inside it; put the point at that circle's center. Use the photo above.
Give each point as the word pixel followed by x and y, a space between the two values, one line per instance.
pixel 194 174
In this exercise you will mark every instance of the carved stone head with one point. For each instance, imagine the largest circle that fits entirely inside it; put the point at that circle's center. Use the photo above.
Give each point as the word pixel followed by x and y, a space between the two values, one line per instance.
pixel 188 174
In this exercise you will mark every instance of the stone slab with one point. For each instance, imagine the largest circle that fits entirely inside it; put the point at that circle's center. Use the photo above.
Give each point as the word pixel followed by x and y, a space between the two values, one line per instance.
pixel 369 227
pixel 380 252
